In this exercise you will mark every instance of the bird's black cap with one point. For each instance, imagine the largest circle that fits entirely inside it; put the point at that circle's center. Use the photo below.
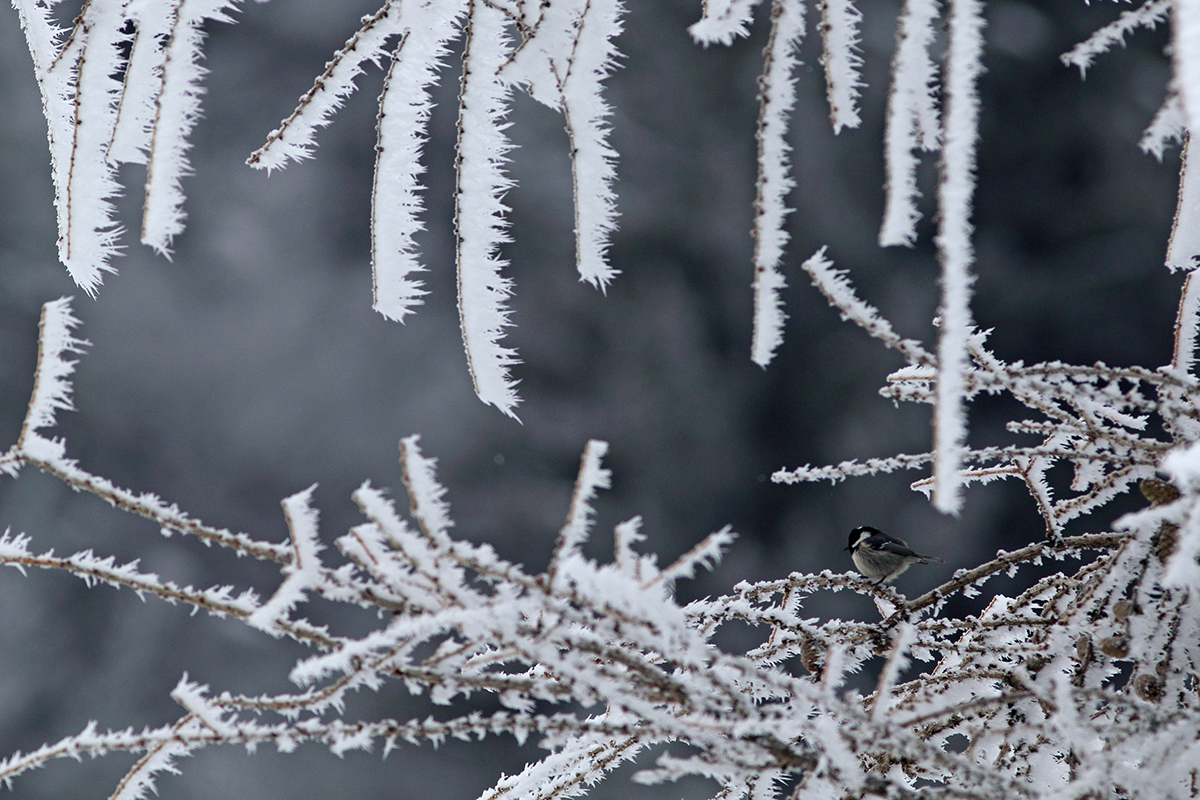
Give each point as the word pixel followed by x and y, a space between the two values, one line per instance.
pixel 854 534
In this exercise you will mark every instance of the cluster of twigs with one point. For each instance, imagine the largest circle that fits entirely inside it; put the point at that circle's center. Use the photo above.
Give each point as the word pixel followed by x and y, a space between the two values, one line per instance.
pixel 1086 682
pixel 1083 681
pixel 607 638
pixel 122 84
pixel 1111 425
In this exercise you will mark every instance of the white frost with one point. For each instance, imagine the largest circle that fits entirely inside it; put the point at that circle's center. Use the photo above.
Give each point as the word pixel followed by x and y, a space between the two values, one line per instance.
pixel 404 108
pixel 176 115
pixel 52 386
pixel 1184 246
pixel 305 570
pixel 777 95
pixel 912 120
pixel 479 210
pixel 843 80
pixel 954 244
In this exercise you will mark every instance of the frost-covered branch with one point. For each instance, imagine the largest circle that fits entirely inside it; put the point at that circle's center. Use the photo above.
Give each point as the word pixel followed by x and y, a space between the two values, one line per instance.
pixel 1148 15
pixel 1095 418
pixel 776 96
pixel 600 662
pixel 124 86
pixel 912 119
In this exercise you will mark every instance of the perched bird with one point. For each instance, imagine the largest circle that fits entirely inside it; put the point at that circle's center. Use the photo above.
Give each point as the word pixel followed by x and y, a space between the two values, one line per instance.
pixel 881 557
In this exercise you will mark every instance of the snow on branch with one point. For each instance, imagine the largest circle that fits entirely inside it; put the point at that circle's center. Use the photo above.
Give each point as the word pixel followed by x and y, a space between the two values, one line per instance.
pixel 294 139
pixel 912 120
pixel 219 601
pixel 954 246
pixel 1148 16
pixel 52 393
pixel 839 29
pixel 850 469
pixel 1110 630
pixel 600 663
pixel 592 477
pixel 176 112
pixel 479 211
pixel 87 186
pixel 404 108
pixel 1167 126
pixel 705 554
pixel 566 53
pixel 160 756
pixel 835 285
pixel 1183 248
pixel 1094 418
pixel 124 86
pixel 141 84
pixel 723 21
pixel 396 189
pixel 1187 327
pixel 52 385
pixel 593 160
pixel 1083 681
pixel 304 571
pixel 429 506
pixel 75 78
pixel 1185 52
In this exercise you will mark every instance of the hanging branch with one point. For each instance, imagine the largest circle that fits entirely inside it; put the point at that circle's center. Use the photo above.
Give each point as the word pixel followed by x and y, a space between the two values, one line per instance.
pixel 89 234
pixel 843 82
pixel 591 58
pixel 776 96
pixel 954 246
pixel 404 107
pixel 176 112
pixel 480 227
pixel 723 21
pixel 912 120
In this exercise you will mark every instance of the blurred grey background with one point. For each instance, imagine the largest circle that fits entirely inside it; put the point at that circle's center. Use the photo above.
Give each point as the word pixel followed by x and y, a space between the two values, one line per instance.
pixel 251 366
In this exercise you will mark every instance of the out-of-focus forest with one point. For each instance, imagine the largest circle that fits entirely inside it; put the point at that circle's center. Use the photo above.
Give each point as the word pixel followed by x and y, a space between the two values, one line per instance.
pixel 251 365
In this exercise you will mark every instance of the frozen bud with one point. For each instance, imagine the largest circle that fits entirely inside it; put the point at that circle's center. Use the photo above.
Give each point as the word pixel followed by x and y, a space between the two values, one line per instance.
pixel 1122 609
pixel 1164 540
pixel 1034 664
pixel 1148 687
pixel 812 655
pixel 1083 650
pixel 1158 492
pixel 1115 646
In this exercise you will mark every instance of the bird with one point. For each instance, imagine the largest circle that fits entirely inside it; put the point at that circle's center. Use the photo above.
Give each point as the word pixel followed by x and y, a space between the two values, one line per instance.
pixel 881 557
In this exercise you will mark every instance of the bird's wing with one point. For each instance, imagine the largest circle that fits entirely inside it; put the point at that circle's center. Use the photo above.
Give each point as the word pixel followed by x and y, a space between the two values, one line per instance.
pixel 900 548
pixel 897 547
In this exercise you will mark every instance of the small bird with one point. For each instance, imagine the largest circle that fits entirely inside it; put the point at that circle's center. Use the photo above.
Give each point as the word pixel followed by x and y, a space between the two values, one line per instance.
pixel 881 557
